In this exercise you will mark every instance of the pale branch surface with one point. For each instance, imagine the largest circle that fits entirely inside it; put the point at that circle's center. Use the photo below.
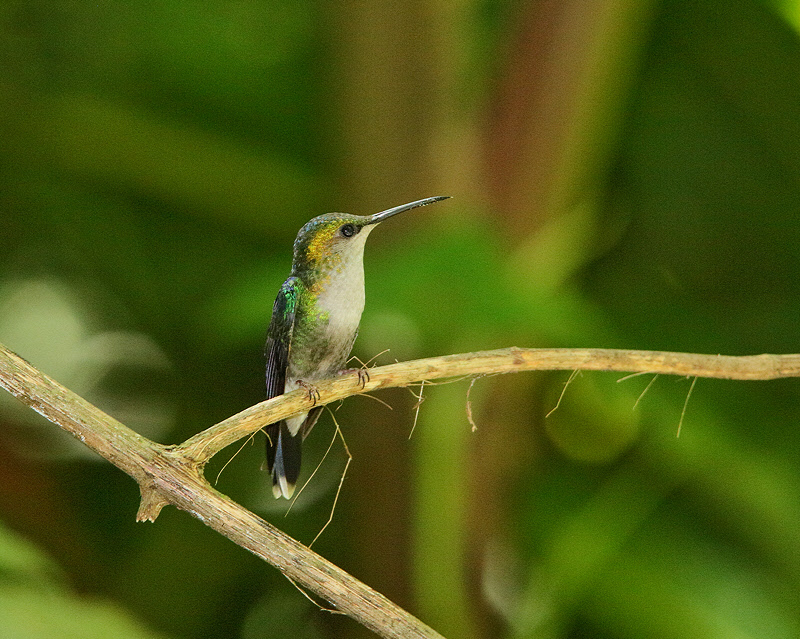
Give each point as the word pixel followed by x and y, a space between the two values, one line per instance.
pixel 173 474
pixel 206 444
pixel 165 476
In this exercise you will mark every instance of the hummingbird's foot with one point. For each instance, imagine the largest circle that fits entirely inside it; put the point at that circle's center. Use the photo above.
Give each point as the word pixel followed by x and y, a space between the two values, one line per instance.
pixel 363 374
pixel 313 393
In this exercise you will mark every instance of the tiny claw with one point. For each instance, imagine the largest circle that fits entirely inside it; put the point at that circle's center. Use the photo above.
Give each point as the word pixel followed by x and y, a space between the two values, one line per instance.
pixel 313 393
pixel 363 374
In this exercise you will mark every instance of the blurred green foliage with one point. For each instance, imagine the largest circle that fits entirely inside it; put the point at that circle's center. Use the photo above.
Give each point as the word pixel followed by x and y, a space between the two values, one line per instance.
pixel 624 175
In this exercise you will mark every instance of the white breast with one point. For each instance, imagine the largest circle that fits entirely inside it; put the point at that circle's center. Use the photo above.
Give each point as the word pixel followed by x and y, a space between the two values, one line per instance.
pixel 342 296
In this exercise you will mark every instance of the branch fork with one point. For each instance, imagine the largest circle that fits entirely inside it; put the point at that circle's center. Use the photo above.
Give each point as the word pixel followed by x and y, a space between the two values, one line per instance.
pixel 174 474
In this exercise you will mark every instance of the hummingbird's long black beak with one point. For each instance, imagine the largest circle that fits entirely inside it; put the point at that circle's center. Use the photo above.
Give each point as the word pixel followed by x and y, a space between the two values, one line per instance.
pixel 380 217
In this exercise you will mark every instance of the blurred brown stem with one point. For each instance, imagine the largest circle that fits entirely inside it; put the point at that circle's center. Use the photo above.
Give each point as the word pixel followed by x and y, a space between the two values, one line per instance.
pixel 174 474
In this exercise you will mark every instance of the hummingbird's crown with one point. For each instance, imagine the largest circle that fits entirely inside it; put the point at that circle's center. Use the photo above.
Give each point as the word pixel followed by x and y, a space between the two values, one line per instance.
pixel 318 241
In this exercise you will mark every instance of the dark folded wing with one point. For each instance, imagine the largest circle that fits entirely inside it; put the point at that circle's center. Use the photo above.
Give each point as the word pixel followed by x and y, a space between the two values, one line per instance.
pixel 279 343
pixel 279 336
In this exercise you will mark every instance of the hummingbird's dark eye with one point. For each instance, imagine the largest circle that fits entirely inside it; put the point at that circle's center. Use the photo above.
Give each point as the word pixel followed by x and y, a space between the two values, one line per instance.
pixel 348 230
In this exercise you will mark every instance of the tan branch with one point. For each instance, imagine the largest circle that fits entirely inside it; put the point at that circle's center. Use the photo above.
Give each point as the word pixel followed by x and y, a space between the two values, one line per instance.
pixel 206 444
pixel 166 476
pixel 173 475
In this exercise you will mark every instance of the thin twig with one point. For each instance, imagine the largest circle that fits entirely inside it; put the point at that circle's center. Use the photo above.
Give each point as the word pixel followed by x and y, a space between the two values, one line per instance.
pixel 417 406
pixel 646 388
pixel 469 403
pixel 570 379
pixel 338 432
pixel 685 404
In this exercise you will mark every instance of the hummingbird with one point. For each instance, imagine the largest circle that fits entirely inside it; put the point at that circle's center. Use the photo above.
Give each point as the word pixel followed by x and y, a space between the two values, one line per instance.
pixel 314 324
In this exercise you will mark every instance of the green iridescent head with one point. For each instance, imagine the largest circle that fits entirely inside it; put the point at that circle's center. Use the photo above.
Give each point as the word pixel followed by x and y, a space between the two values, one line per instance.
pixel 327 237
